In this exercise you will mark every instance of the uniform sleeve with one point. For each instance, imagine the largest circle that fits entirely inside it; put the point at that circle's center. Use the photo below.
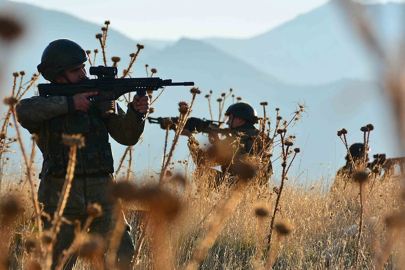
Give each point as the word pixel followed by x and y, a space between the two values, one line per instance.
pixel 32 112
pixel 125 128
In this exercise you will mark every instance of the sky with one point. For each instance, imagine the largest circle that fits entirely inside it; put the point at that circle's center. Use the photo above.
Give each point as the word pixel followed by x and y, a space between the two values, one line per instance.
pixel 171 20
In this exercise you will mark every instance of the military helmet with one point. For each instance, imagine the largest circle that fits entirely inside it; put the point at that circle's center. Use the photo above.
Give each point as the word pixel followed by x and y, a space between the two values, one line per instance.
pixel 243 110
pixel 60 54
pixel 356 151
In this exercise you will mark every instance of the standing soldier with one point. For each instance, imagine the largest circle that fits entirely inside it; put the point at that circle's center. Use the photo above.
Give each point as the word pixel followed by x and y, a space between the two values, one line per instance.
pixel 63 62
pixel 245 142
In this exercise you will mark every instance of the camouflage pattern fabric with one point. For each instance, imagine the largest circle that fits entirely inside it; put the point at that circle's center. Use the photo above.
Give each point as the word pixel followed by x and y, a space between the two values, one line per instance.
pixel 49 118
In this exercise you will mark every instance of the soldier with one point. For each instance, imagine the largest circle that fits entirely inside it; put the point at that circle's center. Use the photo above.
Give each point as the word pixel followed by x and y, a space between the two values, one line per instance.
pixel 245 142
pixel 63 62
pixel 344 174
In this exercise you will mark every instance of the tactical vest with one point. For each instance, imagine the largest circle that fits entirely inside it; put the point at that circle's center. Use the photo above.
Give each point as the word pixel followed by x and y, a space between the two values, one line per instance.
pixel 94 158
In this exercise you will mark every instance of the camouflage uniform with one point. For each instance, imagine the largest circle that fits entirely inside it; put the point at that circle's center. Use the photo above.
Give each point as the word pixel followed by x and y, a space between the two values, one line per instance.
pixel 51 117
pixel 243 143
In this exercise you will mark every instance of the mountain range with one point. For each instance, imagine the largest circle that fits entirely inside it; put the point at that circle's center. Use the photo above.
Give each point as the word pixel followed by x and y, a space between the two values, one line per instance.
pixel 306 60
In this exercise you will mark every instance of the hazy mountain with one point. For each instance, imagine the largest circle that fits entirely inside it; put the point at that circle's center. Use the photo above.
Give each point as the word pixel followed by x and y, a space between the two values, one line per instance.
pixel 343 103
pixel 317 47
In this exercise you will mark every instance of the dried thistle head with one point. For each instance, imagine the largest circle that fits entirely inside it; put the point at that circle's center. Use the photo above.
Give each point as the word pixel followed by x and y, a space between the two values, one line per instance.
pixel 47 238
pixel 396 221
pixel 73 140
pixel 195 90
pixel 99 36
pixel 140 47
pixel 283 227
pixel 360 177
pixel 107 22
pixel 297 150
pixel 344 131
pixel 31 244
pixel 238 98
pixel 124 190
pixel 10 208
pixel 277 109
pixel 10 28
pixel 146 65
pixel 95 50
pixel 22 73
pixel 245 170
pixel 339 133
pixel 94 210
pixel 370 127
pixel 223 95
pixel 167 121
pixel 207 96
pixel 103 29
pixel 264 103
pixel 132 55
pixel 88 52
pixel 15 74
pixel 262 211
pixel 151 110
pixel 115 59
pixel 279 118
pixel 219 99
pixel 10 100
pixel 364 129
pixel 153 70
pixel 288 142
pixel 93 248
pixel 183 107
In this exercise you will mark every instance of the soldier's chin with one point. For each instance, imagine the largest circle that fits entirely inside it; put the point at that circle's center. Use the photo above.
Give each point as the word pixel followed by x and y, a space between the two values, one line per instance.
pixel 84 79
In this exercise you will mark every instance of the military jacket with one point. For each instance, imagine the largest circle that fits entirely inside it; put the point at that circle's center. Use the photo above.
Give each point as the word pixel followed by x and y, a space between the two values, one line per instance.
pixel 241 145
pixel 48 118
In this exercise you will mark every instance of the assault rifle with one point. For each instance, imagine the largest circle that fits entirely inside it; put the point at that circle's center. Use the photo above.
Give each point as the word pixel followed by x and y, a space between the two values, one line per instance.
pixel 108 86
pixel 381 162
pixel 195 125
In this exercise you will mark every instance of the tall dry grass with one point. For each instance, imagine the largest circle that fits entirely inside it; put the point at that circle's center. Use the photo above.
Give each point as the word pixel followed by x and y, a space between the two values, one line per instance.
pixel 182 222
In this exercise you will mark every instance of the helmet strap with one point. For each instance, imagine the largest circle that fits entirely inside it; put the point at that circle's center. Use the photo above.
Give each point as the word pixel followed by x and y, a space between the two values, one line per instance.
pixel 63 74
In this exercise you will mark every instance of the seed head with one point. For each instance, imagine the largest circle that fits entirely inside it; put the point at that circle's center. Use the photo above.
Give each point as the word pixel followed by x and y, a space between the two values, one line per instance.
pixel 22 73
pixel 364 129
pixel 283 227
pixel 219 99
pixel 15 74
pixel 151 110
pixel 92 248
pixel 277 109
pixel 344 131
pixel 261 211
pixel 288 142
pixel 370 127
pixel 297 150
pixel 139 46
pixel 195 90
pixel 95 50
pixel 107 22
pixel 238 98
pixel 94 210
pixel 264 103
pixel 223 95
pixel 167 121
pixel 276 190
pixel 168 174
pixel 73 140
pixel 10 29
pixel 360 177
pixel 47 238
pixel 31 244
pixel 99 36
pixel 103 29
pixel 10 100
pixel 183 107
pixel 339 133
pixel 210 91
pixel 207 96
pixel 146 65
pixel 279 118
pixel 10 208
pixel 88 52
pixel 280 131
pixel 153 70
pixel 115 59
